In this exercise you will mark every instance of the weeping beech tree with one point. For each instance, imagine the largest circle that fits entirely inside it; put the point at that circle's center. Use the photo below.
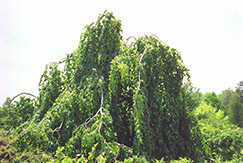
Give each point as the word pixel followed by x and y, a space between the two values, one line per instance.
pixel 114 99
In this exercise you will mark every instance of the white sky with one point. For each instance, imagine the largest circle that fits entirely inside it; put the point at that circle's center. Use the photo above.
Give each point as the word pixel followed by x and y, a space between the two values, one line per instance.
pixel 208 33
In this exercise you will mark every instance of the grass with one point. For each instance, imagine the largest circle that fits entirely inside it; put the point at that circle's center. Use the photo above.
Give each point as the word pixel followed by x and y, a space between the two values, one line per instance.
pixel 9 153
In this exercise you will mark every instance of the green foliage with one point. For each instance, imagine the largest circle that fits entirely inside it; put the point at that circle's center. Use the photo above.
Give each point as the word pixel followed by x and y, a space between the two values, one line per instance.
pixel 31 156
pixel 239 90
pixel 147 100
pixel 225 97
pixel 115 101
pixel 4 108
pixel 182 160
pixel 50 87
pixel 211 99
pixel 67 101
pixel 99 44
pixel 20 111
pixel 33 135
pixel 9 153
pixel 193 96
pixel 4 116
pixel 208 114
pixel 225 142
pixel 135 158
pixel 95 139
pixel 236 110
pixel 233 102
pixel 62 158
pixel 222 139
pixel 142 159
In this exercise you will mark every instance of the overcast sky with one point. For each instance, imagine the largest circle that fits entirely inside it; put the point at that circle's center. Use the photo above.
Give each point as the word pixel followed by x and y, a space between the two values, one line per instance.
pixel 208 33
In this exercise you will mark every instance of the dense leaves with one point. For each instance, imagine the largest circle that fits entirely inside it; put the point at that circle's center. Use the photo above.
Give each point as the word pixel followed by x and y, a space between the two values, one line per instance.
pixel 236 110
pixel 147 103
pixel 20 111
pixel 212 99
pixel 119 101
pixel 224 142
pixel 223 139
pixel 50 87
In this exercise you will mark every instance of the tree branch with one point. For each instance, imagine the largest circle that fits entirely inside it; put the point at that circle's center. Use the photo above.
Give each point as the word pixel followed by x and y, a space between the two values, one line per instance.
pixel 90 119
pixel 130 38
pixel 159 39
pixel 23 93
pixel 58 129
pixel 139 74
pixel 60 62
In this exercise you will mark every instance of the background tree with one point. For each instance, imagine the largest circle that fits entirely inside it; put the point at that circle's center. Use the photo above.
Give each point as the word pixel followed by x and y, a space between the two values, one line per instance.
pixel 225 97
pixel 19 111
pixel 193 95
pixel 223 140
pixel 236 110
pixel 207 114
pixel 211 99
pixel 4 112
pixel 239 90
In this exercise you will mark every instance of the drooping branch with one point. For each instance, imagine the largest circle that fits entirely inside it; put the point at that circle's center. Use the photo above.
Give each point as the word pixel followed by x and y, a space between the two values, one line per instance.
pixel 59 62
pixel 130 38
pixel 102 93
pixel 23 93
pixel 102 16
pixel 90 119
pixel 139 73
pixel 118 150
pixel 46 67
pixel 101 104
pixel 58 129
pixel 141 58
pixel 159 39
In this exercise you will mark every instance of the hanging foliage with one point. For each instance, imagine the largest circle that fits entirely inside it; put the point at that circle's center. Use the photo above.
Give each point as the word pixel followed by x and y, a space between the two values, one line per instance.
pixel 114 100
pixel 50 87
pixel 147 103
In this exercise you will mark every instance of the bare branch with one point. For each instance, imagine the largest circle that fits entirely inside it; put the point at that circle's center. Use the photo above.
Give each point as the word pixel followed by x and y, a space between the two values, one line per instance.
pixel 60 62
pixel 90 119
pixel 100 128
pixel 23 93
pixel 102 93
pixel 130 38
pixel 58 129
pixel 101 105
pixel 159 39
pixel 123 145
pixel 139 74
pixel 101 17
